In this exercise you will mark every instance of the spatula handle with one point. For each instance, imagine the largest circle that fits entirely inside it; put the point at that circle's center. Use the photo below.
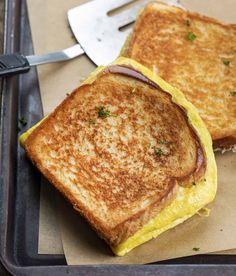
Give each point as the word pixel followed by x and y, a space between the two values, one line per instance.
pixel 13 64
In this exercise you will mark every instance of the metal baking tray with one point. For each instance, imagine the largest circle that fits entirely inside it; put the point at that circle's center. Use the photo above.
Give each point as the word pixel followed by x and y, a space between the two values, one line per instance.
pixel 20 182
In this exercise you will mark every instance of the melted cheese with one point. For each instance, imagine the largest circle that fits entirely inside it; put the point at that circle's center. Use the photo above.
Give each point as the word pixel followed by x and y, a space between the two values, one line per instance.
pixel 188 200
pixel 26 134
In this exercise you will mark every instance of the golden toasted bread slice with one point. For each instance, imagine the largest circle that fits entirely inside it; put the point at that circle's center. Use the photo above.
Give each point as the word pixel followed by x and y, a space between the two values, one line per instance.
pixel 196 54
pixel 120 148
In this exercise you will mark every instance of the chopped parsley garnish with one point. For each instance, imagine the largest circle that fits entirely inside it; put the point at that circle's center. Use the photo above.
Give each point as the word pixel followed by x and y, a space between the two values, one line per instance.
pixel 191 36
pixel 188 22
pixel 234 52
pixel 233 93
pixel 205 179
pixel 196 249
pixel 194 183
pixel 226 62
pixel 67 94
pixel 92 122
pixel 158 152
pixel 163 142
pixel 102 113
pixel 23 121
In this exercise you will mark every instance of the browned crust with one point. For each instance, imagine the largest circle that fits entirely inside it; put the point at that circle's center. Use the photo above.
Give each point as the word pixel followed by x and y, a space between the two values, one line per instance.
pixel 127 228
pixel 200 165
pixel 132 38
pixel 225 143
pixel 197 172
pixel 224 139
pixel 123 230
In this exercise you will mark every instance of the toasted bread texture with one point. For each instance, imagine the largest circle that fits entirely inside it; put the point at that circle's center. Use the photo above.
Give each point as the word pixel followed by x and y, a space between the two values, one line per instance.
pixel 118 148
pixel 196 54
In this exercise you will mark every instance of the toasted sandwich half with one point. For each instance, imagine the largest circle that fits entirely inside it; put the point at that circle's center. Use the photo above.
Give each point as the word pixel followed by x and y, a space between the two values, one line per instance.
pixel 129 152
pixel 197 55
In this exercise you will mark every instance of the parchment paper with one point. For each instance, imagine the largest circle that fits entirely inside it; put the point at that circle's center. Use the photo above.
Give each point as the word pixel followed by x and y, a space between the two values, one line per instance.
pixel 49 233
pixel 50 32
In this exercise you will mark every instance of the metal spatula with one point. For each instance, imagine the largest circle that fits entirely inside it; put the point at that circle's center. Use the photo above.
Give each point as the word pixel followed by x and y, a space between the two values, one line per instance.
pixel 98 33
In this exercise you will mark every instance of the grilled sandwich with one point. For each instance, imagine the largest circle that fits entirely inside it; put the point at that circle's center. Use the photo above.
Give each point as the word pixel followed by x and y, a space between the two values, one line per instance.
pixel 197 55
pixel 129 152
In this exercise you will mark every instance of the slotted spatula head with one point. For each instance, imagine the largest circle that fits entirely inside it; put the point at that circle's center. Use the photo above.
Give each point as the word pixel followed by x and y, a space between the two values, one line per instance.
pixel 98 33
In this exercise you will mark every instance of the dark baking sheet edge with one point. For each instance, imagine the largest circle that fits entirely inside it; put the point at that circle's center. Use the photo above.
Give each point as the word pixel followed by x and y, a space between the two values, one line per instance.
pixel 8 147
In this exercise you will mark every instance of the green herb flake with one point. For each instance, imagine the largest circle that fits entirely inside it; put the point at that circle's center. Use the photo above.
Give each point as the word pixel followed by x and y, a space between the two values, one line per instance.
pixel 234 52
pixel 205 179
pixel 163 142
pixel 187 22
pixel 233 93
pixel 196 249
pixel 226 62
pixel 92 122
pixel 158 152
pixel 191 36
pixel 194 183
pixel 102 113
pixel 67 94
pixel 23 121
